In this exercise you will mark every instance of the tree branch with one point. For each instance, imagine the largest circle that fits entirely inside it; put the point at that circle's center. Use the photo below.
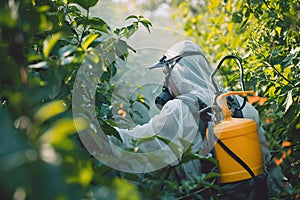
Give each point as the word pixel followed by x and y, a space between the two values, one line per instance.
pixel 272 66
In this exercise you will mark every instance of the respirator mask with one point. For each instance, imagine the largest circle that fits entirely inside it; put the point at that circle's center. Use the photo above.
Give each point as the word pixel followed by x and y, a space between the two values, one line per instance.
pixel 163 97
pixel 167 65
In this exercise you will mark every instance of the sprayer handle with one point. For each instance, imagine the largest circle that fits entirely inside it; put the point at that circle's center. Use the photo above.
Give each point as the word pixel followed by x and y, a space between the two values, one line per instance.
pixel 224 106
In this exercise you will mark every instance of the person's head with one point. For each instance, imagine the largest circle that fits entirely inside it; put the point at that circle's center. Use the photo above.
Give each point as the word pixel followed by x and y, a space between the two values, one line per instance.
pixel 187 71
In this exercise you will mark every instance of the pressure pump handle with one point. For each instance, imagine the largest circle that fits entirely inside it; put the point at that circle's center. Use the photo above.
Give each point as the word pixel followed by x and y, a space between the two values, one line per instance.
pixel 226 112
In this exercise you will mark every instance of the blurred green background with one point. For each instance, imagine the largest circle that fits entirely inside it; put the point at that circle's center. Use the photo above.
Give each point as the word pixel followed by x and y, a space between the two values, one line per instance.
pixel 43 43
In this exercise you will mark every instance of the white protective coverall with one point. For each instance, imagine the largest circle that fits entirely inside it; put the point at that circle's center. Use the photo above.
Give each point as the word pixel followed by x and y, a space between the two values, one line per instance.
pixel 191 75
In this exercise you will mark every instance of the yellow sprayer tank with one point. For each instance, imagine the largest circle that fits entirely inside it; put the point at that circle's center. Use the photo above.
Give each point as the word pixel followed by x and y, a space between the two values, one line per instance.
pixel 241 137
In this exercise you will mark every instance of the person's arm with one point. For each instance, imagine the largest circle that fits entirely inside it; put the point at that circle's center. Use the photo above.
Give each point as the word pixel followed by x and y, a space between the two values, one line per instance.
pixel 174 122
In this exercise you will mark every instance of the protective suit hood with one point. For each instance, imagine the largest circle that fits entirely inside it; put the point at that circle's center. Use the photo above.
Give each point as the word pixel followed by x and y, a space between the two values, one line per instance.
pixel 191 74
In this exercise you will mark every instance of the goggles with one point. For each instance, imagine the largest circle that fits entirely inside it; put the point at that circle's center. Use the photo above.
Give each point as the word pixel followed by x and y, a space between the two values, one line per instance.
pixel 168 64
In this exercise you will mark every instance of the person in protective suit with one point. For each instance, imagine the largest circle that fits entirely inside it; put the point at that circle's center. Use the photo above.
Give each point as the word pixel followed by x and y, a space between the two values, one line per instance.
pixel 187 74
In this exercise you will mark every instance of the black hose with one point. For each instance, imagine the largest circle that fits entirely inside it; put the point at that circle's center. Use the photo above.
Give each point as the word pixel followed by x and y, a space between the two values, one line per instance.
pixel 218 92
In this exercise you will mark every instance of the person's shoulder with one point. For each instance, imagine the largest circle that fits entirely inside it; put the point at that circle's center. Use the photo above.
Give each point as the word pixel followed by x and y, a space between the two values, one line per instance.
pixel 191 100
pixel 174 104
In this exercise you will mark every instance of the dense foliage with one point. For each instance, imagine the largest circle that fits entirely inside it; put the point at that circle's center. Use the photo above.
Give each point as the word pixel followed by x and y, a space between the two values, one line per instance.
pixel 265 35
pixel 43 44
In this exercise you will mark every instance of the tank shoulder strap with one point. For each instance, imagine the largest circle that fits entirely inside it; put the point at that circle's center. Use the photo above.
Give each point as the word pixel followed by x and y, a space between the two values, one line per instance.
pixel 234 106
pixel 234 156
pixel 195 104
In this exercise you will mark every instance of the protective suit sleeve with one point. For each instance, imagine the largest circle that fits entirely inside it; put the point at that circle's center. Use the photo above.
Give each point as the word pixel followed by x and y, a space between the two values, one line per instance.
pixel 174 122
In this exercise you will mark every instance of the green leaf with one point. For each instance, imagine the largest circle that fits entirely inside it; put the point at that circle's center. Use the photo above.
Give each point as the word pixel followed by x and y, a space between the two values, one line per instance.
pixel 174 147
pixel 120 48
pixel 187 157
pixel 125 190
pixel 165 140
pixel 105 110
pixel 43 9
pixel 88 40
pixel 34 57
pixel 109 130
pixel 210 160
pixel 146 23
pixel 111 122
pixel 130 30
pixel 84 175
pixel 298 126
pixel 6 18
pixel 237 17
pixel 145 139
pixel 62 128
pixel 291 113
pixel 49 110
pixel 117 31
pixel 145 104
pixel 50 43
pixel 211 175
pixel 132 17
pixel 113 69
pixel 287 60
pixel 131 48
pixel 98 24
pixel 86 4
